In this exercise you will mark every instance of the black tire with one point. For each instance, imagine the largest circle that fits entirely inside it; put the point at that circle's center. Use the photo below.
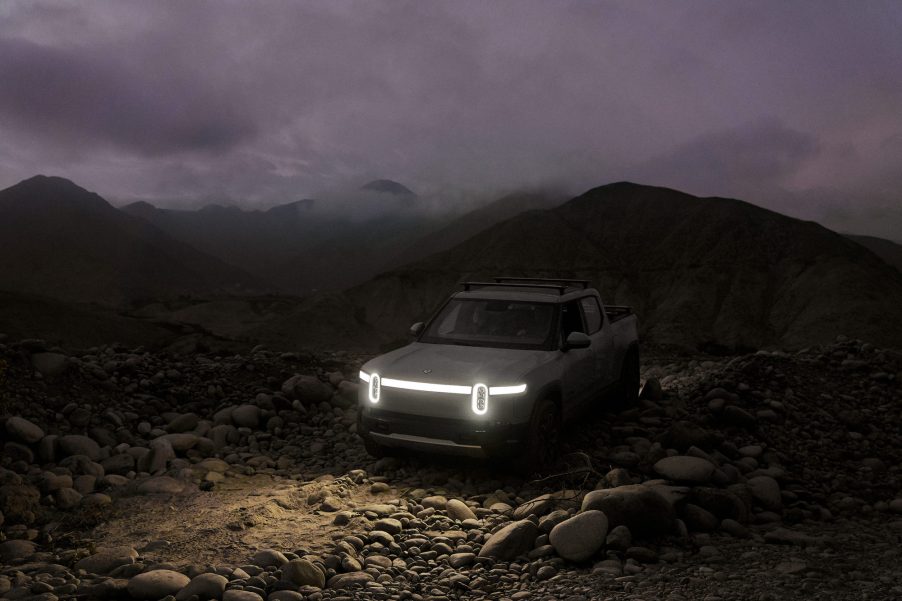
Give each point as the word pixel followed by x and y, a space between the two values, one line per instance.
pixel 374 449
pixel 628 385
pixel 540 452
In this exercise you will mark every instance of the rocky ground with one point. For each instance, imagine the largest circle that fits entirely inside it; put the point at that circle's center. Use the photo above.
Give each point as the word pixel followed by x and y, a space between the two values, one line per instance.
pixel 133 475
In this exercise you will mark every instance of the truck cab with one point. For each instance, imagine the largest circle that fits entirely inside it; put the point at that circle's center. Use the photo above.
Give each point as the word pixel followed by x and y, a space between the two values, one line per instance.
pixel 498 369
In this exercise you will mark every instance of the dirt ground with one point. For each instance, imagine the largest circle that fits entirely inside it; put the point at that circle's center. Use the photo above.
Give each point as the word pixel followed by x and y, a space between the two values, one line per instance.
pixel 226 526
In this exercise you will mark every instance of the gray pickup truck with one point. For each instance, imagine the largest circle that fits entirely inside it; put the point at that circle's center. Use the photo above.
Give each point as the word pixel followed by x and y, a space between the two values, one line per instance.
pixel 498 369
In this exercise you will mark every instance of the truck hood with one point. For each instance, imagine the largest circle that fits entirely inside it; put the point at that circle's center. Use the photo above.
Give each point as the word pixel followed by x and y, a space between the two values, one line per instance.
pixel 456 364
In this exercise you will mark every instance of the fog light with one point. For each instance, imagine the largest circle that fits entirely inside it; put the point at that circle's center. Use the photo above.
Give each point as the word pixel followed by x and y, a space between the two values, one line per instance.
pixel 480 400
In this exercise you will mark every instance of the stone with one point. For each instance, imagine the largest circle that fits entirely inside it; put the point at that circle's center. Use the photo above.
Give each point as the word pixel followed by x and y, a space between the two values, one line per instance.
pixel 638 507
pixel 350 580
pixel 205 586
pixel 683 468
pixel 458 510
pixel 736 416
pixel 182 441
pixel 724 504
pixel 461 560
pixel 698 519
pixel 156 584
pixel 183 423
pixel 766 492
pixel 239 595
pixel 651 390
pixel 23 430
pixel 247 416
pixel 16 550
pixel 784 536
pixel 302 572
pixel 307 389
pixel 619 539
pixel 580 537
pixel 105 560
pixel 684 434
pixel 161 453
pixel 390 525
pixel 67 498
pixel 77 444
pixel 121 463
pixel 285 595
pixel 50 365
pixel 435 502
pixel 538 506
pixel 511 541
pixel 269 557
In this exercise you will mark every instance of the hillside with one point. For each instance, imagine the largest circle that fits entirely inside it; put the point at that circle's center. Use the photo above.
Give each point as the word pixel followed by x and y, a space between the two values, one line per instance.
pixel 889 251
pixel 60 241
pixel 700 272
pixel 307 245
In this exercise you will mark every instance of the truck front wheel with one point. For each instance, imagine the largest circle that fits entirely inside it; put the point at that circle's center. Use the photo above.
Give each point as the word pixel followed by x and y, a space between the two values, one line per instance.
pixel 543 438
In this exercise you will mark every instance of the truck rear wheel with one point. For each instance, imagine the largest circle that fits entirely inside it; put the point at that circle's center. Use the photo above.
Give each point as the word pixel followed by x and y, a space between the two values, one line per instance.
pixel 543 439
pixel 628 385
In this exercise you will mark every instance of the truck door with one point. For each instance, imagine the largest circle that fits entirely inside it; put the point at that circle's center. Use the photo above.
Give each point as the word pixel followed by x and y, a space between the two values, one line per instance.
pixel 579 364
pixel 602 343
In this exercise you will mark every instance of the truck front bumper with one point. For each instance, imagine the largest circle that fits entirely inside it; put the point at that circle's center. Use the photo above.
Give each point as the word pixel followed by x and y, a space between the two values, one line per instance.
pixel 441 435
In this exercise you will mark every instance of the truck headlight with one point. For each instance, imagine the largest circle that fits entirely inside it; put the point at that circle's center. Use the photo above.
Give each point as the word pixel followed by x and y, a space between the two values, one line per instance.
pixel 480 399
pixel 375 388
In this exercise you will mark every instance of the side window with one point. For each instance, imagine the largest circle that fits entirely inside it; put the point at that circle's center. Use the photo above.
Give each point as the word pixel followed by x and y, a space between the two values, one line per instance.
pixel 593 314
pixel 450 323
pixel 571 319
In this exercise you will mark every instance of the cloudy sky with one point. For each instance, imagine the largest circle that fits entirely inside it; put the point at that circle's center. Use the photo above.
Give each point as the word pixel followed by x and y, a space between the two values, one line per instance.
pixel 795 106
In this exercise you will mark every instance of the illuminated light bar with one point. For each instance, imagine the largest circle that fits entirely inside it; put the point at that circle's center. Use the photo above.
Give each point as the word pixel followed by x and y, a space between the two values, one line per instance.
pixel 375 388
pixel 518 389
pixel 480 399
pixel 426 386
pixel 364 377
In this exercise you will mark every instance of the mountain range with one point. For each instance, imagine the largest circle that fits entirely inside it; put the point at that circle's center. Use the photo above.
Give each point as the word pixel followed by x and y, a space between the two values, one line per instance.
pixel 710 273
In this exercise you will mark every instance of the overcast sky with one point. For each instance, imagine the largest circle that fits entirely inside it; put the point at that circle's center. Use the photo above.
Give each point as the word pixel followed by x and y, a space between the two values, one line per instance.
pixel 795 106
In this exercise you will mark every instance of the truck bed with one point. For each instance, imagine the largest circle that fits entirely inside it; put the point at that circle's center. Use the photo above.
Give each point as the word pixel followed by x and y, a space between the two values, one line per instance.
pixel 617 312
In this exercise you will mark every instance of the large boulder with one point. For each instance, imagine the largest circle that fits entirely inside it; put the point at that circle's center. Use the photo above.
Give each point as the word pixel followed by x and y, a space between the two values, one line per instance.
pixel 205 586
pixel 766 492
pixel 156 584
pixel 77 444
pixel 515 539
pixel 105 560
pixel 302 572
pixel 580 537
pixel 350 579
pixel 307 389
pixel 458 510
pixel 49 365
pixel 683 468
pixel 22 430
pixel 645 512
pixel 725 504
pixel 247 416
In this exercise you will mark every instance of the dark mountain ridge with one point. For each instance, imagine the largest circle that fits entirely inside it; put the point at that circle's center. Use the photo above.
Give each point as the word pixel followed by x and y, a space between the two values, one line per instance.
pixel 700 272
pixel 61 241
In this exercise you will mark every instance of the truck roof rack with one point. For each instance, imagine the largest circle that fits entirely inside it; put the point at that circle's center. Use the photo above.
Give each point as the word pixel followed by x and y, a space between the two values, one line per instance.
pixel 559 288
pixel 555 281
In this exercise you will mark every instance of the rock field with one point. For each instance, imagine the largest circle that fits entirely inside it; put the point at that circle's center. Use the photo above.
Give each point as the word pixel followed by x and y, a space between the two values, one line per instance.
pixel 132 475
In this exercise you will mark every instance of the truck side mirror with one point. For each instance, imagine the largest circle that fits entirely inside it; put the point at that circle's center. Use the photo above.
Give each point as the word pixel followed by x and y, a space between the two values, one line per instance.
pixel 416 329
pixel 576 340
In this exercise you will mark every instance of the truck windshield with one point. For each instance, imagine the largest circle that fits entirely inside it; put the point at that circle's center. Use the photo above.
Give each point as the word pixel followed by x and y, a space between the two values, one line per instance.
pixel 495 323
